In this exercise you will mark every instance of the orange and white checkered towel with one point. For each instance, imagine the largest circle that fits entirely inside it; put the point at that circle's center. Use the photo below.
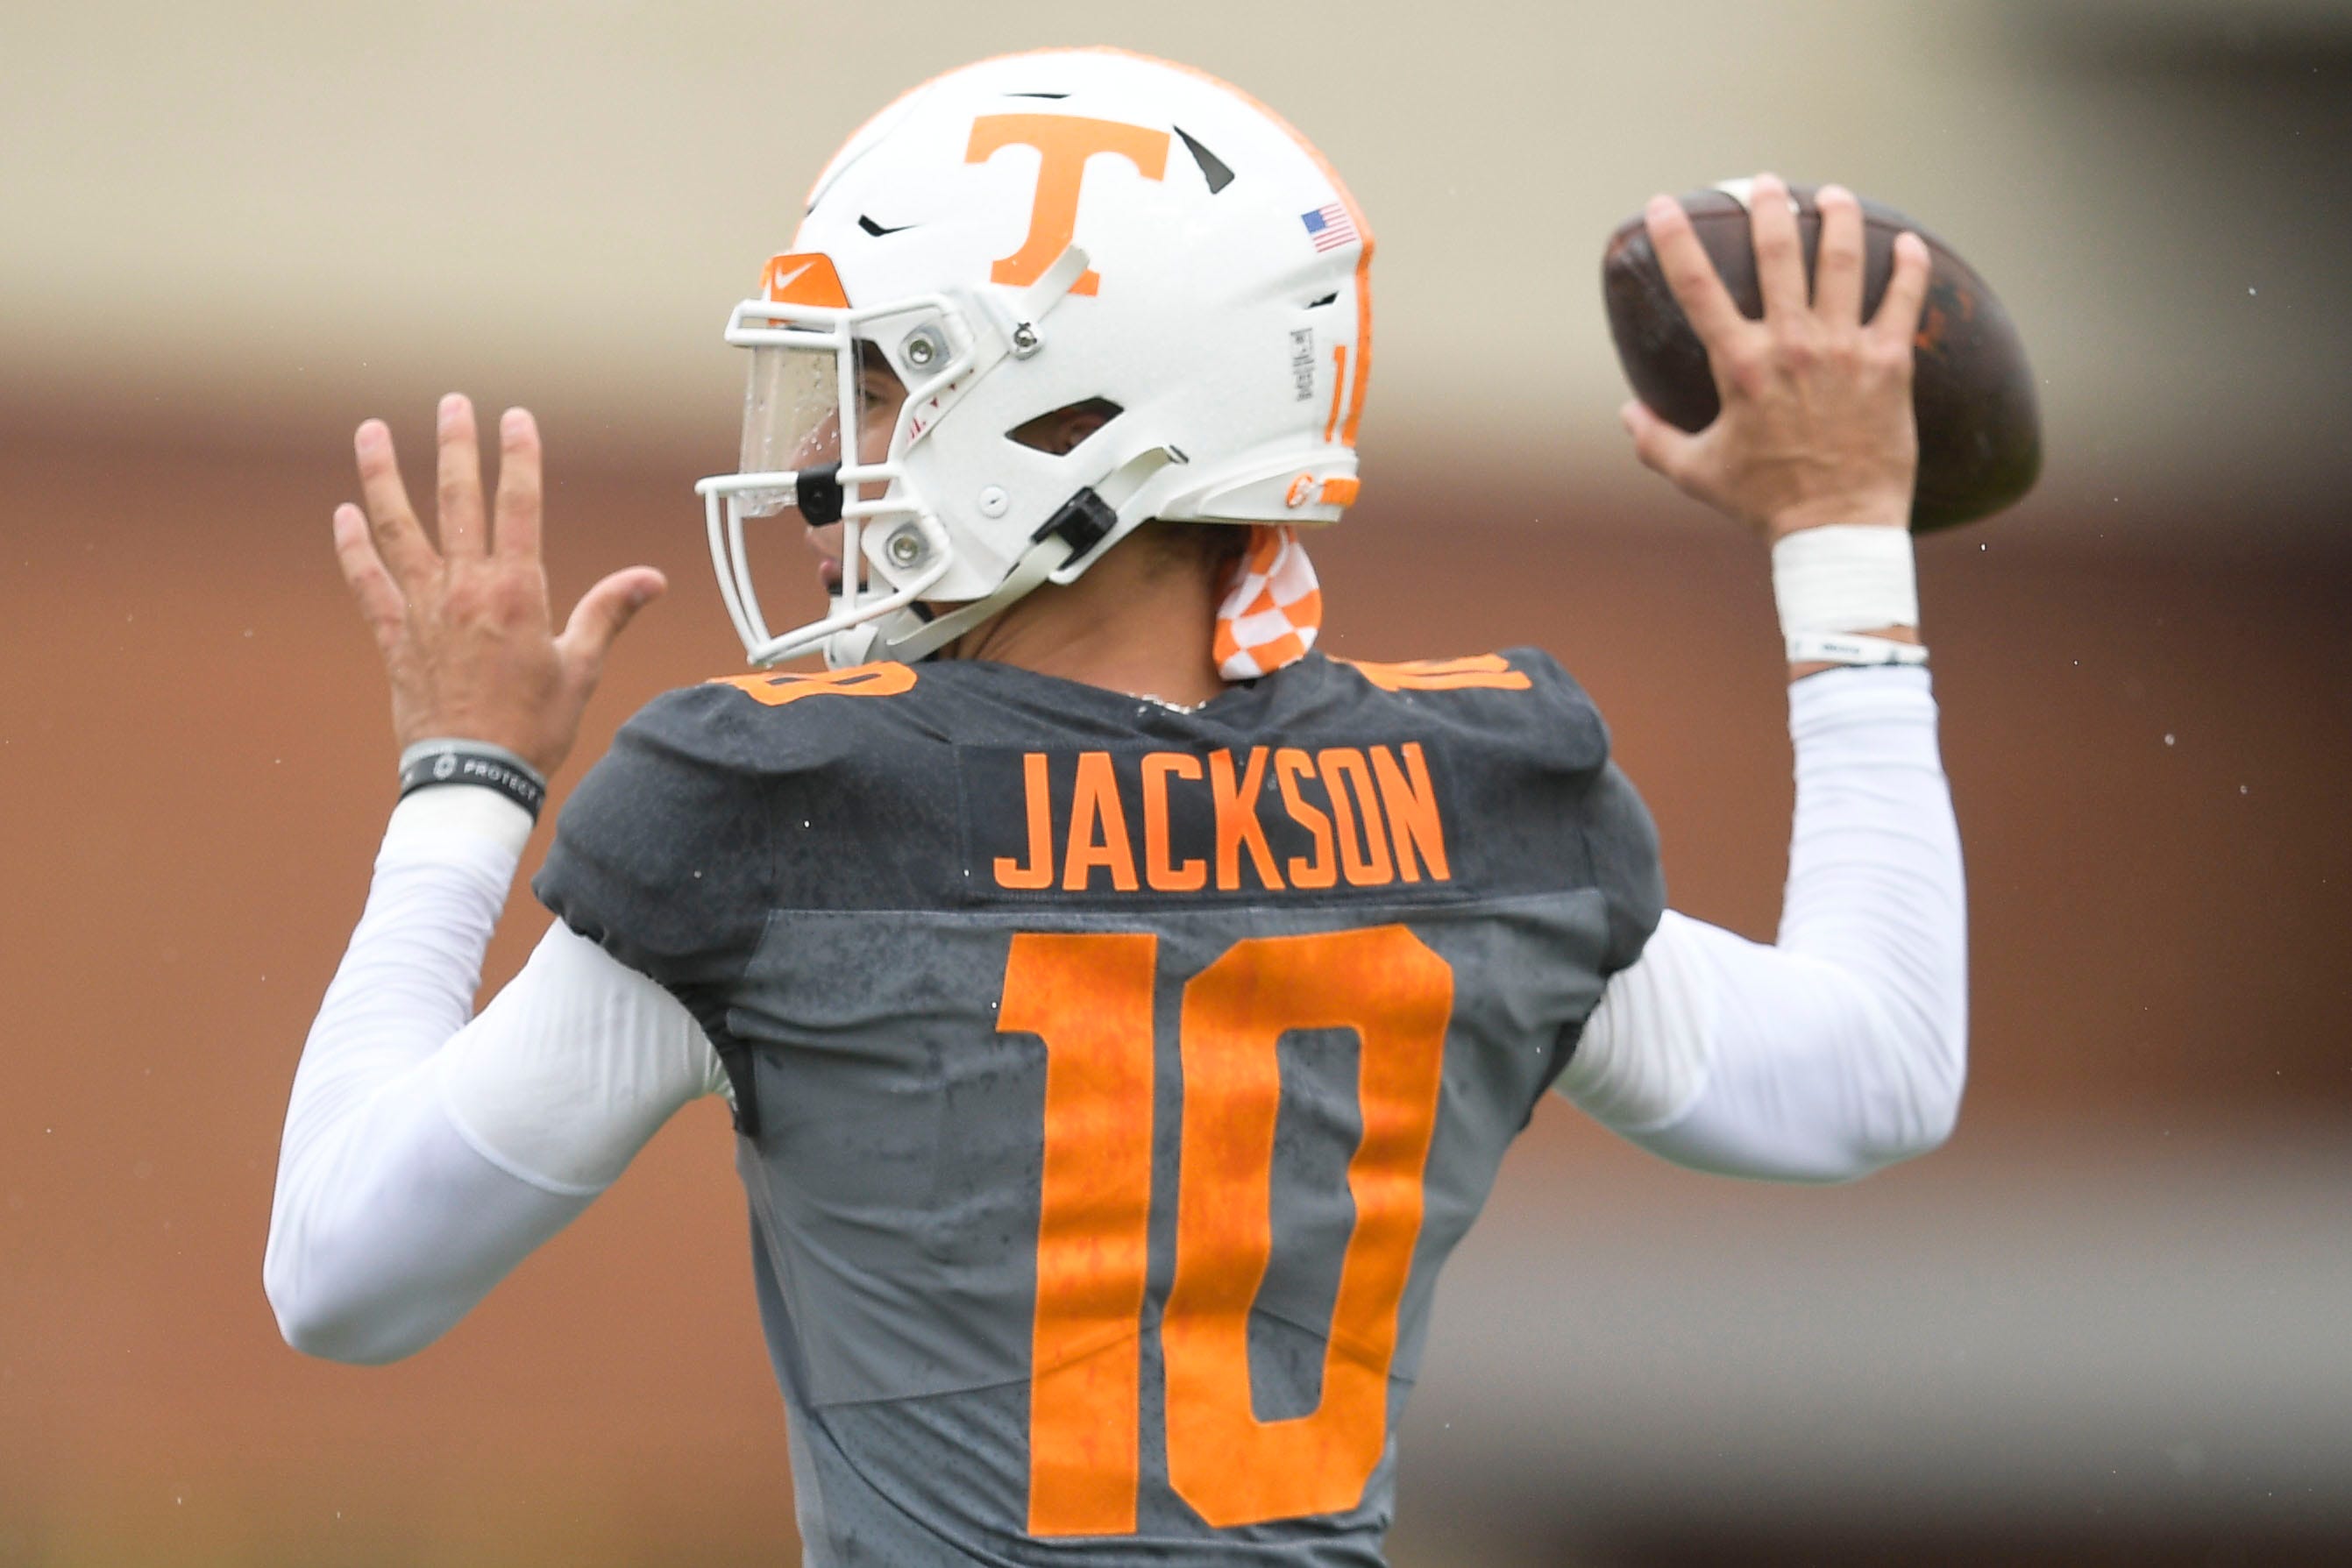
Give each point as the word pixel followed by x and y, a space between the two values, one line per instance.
pixel 1273 606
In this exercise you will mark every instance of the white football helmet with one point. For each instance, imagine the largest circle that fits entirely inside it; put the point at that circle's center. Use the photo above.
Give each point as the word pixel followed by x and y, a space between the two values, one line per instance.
pixel 1017 237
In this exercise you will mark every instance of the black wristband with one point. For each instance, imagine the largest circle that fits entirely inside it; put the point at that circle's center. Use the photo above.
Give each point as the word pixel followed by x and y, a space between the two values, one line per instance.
pixel 478 762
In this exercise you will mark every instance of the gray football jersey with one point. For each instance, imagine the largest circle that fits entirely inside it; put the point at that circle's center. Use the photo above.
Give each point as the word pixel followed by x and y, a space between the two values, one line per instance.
pixel 1112 1081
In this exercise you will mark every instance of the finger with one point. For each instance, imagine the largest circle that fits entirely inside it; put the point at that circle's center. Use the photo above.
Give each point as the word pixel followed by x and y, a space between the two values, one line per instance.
pixel 399 539
pixel 1906 291
pixel 520 497
pixel 1837 266
pixel 1658 444
pixel 1691 273
pixel 602 612
pixel 379 601
pixel 460 518
pixel 1780 254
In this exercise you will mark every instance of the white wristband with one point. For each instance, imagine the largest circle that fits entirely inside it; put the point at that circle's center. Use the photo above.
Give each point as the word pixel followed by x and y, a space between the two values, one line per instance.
pixel 1848 577
pixel 1849 648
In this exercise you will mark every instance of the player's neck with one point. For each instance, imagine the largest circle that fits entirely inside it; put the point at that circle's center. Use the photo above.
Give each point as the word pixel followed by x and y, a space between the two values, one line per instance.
pixel 1136 622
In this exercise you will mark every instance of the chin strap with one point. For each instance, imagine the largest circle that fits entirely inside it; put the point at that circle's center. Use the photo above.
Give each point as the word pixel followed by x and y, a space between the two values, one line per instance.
pixel 1079 527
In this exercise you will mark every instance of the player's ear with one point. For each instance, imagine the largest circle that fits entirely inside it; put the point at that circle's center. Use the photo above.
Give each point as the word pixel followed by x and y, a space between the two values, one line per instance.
pixel 1060 430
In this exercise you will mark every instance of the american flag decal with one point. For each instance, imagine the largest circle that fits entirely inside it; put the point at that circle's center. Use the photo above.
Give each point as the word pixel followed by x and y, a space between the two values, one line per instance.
pixel 1329 227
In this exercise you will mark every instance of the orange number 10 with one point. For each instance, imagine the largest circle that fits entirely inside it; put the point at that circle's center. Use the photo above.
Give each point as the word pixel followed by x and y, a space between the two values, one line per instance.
pixel 1089 997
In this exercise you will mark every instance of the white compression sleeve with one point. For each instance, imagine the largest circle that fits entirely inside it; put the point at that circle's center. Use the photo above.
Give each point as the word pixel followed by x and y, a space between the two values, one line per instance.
pixel 425 1156
pixel 1842 1049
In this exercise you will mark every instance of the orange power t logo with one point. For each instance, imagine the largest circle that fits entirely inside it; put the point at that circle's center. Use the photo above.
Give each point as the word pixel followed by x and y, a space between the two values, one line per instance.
pixel 1064 144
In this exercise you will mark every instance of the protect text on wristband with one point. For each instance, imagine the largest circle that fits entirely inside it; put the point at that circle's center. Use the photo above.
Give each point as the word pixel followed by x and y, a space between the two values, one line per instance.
pixel 476 762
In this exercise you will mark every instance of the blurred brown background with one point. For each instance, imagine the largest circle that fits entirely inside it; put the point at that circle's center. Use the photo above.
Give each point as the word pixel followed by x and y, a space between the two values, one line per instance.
pixel 2111 1322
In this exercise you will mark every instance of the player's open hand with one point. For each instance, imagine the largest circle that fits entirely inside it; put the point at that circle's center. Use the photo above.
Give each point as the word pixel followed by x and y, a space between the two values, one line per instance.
pixel 464 630
pixel 1816 426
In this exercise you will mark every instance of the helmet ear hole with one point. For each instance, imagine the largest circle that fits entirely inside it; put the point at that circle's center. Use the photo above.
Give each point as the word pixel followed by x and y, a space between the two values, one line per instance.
pixel 1061 431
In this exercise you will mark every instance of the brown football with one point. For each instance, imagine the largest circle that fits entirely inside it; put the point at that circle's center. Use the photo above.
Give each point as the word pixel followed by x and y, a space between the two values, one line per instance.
pixel 1979 422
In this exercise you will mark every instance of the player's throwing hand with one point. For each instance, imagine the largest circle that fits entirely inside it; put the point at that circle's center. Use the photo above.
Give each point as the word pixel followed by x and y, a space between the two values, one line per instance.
pixel 1816 426
pixel 464 631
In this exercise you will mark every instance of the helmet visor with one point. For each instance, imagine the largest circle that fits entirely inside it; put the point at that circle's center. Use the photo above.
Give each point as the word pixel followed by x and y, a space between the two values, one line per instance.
pixel 793 413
